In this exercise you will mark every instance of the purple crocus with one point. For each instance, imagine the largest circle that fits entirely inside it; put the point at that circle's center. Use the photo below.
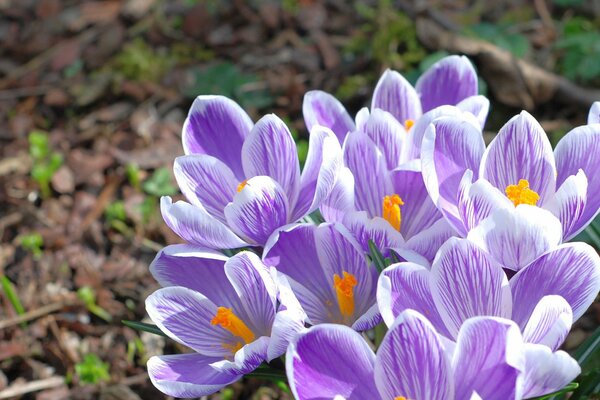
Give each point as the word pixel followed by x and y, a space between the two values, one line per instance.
pixel 450 81
pixel 489 360
pixel 466 181
pixel 243 181
pixel 543 298
pixel 225 310
pixel 327 271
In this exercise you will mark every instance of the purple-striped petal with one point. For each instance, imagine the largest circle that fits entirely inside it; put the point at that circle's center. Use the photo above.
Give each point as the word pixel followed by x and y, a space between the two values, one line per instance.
pixel 188 375
pixel 550 322
pixel 270 150
pixel 323 165
pixel 451 146
pixel 569 203
pixel 246 359
pixel 185 316
pixel 329 361
pixel 340 201
pixel 320 108
pixel 288 323
pixel 405 286
pixel 521 150
pixel 447 82
pixel 572 271
pixel 396 95
pixel 371 177
pixel 489 359
pixel 580 149
pixel 255 288
pixel 387 134
pixel 411 361
pixel 258 209
pixel 594 113
pixel 547 372
pixel 376 229
pixel 515 237
pixel 466 282
pixel 196 226
pixel 477 201
pixel 429 241
pixel 293 251
pixel 217 126
pixel 479 106
pixel 418 211
pixel 206 182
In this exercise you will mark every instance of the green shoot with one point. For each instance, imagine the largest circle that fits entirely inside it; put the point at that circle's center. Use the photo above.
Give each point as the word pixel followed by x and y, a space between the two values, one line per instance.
pixel 32 242
pixel 45 164
pixel 11 293
pixel 87 295
pixel 92 370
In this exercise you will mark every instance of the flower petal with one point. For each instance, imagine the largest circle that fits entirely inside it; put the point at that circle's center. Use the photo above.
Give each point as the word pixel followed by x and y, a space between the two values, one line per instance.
pixel 479 106
pixel 396 95
pixel 580 149
pixel 195 225
pixel 206 182
pixel 188 375
pixel 270 150
pixel 428 242
pixel 447 82
pixel 255 288
pixel 320 108
pixel 217 126
pixel 515 237
pixel 387 134
pixel 371 177
pixel 411 361
pixel 376 229
pixel 572 271
pixel 293 251
pixel 258 209
pixel 185 315
pixel 405 286
pixel 288 323
pixel 451 146
pixel 521 150
pixel 489 359
pixel 466 282
pixel 246 359
pixel 547 372
pixel 476 201
pixel 594 113
pixel 569 204
pixel 341 199
pixel 323 164
pixel 550 322
pixel 418 211
pixel 329 361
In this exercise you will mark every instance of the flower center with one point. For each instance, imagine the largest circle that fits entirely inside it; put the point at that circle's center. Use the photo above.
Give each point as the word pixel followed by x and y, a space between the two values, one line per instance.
pixel 391 210
pixel 522 194
pixel 400 398
pixel 344 290
pixel 408 124
pixel 227 320
pixel 242 185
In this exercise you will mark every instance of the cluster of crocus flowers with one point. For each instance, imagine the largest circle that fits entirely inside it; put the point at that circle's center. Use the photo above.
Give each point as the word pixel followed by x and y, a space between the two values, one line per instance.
pixel 482 291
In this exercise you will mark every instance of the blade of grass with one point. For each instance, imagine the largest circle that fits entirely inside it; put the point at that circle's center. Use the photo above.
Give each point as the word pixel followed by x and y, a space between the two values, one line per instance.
pixel 142 326
pixel 11 293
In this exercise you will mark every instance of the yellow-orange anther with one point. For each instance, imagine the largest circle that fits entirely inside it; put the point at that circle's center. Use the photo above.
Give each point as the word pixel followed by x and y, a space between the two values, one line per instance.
pixel 400 398
pixel 391 210
pixel 242 185
pixel 522 194
pixel 233 348
pixel 227 320
pixel 344 290
pixel 408 124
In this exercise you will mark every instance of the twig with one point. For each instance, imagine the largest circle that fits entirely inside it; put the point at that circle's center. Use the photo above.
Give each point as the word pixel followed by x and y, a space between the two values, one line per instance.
pixel 34 314
pixel 21 389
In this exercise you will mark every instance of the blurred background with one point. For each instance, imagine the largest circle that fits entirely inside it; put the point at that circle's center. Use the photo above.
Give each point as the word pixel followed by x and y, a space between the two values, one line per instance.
pixel 93 95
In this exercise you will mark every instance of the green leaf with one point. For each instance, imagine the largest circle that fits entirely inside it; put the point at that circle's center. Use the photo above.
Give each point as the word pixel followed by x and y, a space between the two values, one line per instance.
pixel 264 371
pixel 379 261
pixel 567 389
pixel 142 326
pixel 92 370
pixel 11 293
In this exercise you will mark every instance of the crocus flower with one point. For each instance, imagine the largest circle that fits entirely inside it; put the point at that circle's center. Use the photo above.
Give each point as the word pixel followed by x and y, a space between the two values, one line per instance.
pixel 518 167
pixel 243 181
pixel 465 281
pixel 489 360
pixel 450 81
pixel 225 310
pixel 327 272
